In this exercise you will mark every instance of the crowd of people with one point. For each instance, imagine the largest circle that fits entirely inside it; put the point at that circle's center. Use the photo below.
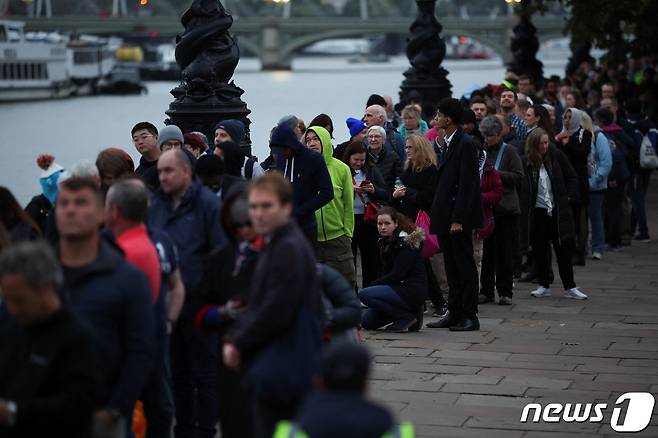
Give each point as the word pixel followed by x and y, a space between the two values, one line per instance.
pixel 203 288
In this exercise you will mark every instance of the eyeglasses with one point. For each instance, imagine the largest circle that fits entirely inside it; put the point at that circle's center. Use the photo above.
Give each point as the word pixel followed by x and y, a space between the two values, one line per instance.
pixel 375 136
pixel 142 137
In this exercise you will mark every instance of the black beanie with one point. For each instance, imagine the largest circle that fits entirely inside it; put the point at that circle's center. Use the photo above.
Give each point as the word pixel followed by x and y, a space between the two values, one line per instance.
pixel 376 99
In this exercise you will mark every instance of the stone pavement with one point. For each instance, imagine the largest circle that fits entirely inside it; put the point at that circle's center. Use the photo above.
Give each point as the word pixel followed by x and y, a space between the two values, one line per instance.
pixel 546 350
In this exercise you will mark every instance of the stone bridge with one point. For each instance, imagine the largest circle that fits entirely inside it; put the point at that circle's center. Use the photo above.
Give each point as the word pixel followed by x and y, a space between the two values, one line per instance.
pixel 275 40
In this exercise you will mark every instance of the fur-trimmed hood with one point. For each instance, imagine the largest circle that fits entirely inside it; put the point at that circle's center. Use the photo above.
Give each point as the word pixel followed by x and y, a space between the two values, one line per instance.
pixel 415 239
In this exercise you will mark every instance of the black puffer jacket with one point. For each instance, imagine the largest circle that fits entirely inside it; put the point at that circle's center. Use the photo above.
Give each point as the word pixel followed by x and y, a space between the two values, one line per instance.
pixel 565 188
pixel 404 266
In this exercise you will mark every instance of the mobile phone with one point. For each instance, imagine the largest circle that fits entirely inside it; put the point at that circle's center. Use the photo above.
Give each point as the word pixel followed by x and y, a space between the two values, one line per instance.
pixel 365 182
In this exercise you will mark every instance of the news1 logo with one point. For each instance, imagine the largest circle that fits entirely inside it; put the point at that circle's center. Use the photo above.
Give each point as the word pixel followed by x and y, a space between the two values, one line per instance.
pixel 638 410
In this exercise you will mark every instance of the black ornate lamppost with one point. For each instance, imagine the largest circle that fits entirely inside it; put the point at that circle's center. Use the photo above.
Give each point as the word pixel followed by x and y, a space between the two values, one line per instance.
pixel 207 55
pixel 525 44
pixel 580 52
pixel 425 81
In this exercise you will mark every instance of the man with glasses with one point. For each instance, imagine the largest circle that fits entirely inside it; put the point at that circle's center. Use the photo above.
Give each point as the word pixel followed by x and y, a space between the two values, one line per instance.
pixel 375 115
pixel 145 139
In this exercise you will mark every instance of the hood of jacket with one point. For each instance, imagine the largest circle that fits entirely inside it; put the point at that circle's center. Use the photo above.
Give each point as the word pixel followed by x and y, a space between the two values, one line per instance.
pixel 325 139
pixel 414 239
pixel 284 136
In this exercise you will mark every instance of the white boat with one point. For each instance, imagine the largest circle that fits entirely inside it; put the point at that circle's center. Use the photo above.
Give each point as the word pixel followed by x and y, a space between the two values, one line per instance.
pixel 31 69
pixel 91 60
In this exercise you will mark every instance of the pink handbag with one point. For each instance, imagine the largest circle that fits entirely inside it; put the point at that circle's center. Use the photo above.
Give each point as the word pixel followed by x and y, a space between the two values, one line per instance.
pixel 431 244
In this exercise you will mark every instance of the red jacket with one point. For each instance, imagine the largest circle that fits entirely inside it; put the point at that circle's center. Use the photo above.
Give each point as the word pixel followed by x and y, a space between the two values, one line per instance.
pixel 492 193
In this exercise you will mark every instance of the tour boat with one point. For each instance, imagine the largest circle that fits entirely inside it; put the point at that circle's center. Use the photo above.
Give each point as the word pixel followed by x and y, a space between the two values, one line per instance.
pixel 31 69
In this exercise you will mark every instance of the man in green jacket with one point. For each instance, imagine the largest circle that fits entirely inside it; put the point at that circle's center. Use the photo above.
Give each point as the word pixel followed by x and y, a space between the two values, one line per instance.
pixel 336 219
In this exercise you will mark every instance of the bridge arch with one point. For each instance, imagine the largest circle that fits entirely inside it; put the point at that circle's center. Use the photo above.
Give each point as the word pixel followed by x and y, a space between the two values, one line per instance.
pixel 288 49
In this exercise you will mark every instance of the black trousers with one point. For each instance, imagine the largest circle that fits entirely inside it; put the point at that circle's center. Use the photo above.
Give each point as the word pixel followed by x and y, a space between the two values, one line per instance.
pixel 581 221
pixel 462 274
pixel 497 257
pixel 365 240
pixel 544 232
pixel 234 411
pixel 612 214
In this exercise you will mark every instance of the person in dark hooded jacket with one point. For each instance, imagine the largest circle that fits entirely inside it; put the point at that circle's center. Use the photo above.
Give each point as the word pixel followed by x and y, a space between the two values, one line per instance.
pixel 307 172
pixel 339 407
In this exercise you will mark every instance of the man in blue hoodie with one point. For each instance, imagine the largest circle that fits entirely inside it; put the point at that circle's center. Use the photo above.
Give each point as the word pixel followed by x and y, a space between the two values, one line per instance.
pixel 113 296
pixel 189 213
pixel 308 174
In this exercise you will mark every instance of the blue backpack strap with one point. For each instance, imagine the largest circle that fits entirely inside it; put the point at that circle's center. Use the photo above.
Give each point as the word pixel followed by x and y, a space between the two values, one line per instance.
pixel 499 157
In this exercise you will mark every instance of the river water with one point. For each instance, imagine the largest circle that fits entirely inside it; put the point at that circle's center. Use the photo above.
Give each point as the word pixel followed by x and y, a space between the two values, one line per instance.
pixel 78 128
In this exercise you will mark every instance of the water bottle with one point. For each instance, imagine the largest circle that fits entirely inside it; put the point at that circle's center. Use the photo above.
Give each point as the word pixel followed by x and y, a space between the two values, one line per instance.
pixel 398 183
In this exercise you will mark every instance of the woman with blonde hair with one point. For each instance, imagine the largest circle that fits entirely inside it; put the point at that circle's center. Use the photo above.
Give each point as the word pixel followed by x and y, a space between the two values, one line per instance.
pixel 416 193
pixel 413 122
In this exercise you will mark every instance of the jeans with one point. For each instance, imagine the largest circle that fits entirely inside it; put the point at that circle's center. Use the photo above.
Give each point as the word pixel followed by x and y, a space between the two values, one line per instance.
pixel 544 232
pixel 497 264
pixel 462 274
pixel 384 306
pixel 596 221
pixel 194 362
pixel 637 191
pixel 157 396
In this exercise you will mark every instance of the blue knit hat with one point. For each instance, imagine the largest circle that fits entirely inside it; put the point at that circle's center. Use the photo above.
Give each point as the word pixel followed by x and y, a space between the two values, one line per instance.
pixel 234 128
pixel 355 126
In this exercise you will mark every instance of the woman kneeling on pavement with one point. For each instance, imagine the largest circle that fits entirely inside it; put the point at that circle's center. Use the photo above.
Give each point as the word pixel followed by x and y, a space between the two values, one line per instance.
pixel 396 298
pixel 554 189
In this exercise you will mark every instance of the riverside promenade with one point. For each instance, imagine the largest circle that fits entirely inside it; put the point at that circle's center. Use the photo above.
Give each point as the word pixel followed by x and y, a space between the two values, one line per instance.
pixel 549 350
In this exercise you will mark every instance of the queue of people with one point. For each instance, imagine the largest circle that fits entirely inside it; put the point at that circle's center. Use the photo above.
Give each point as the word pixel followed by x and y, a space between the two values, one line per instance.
pixel 203 275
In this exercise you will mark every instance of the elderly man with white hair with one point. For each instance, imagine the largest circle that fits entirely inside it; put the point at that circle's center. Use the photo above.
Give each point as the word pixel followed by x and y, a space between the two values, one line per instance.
pixel 386 161
pixel 375 115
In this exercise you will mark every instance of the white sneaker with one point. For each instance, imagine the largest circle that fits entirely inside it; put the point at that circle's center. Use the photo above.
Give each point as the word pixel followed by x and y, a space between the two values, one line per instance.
pixel 575 294
pixel 597 256
pixel 541 292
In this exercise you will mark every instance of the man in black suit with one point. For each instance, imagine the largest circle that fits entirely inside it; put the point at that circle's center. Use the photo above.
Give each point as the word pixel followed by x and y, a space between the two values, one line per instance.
pixel 456 212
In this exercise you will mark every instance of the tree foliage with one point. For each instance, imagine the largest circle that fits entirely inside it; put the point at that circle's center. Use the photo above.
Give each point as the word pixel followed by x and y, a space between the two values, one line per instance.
pixel 621 27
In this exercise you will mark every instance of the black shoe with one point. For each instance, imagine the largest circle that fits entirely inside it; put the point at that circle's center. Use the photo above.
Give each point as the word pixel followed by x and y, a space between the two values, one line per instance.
pixel 528 277
pixel 419 320
pixel 466 325
pixel 446 322
pixel 401 326
pixel 644 238
pixel 505 301
pixel 484 299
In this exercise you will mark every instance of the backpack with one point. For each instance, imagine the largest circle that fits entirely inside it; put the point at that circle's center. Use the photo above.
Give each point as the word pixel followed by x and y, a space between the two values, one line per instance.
pixel 648 157
pixel 393 139
pixel 249 167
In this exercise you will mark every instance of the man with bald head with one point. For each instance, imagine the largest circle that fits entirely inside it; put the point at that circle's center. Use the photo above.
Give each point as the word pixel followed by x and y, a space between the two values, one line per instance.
pixel 375 115
pixel 189 213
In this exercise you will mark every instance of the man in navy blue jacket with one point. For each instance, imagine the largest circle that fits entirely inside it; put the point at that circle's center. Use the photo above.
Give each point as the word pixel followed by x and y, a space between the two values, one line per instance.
pixel 113 296
pixel 307 171
pixel 189 213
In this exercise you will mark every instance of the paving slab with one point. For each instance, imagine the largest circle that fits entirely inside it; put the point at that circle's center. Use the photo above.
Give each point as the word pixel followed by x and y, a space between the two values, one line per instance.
pixel 551 350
